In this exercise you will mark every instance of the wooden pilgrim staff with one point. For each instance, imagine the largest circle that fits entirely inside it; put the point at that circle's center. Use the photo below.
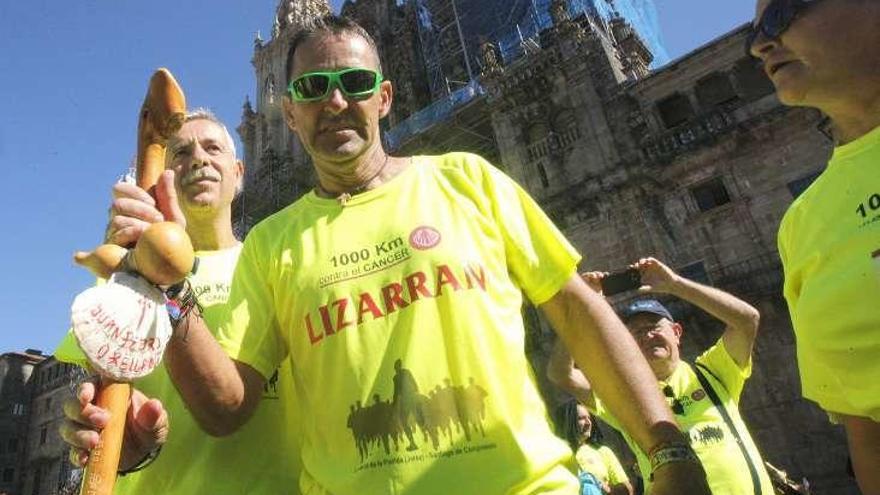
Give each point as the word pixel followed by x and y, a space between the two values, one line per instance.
pixel 102 322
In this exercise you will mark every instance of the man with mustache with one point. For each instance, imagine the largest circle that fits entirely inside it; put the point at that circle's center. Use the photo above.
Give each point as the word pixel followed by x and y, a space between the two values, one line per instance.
pixel 704 397
pixel 417 263
pixel 823 54
pixel 206 176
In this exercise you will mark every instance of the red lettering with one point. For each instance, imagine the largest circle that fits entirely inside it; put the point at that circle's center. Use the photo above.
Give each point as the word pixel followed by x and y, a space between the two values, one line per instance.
pixel 469 272
pixel 127 341
pixel 416 285
pixel 145 304
pixel 391 296
pixel 312 337
pixel 340 314
pixel 445 277
pixel 103 350
pixel 325 319
pixel 366 304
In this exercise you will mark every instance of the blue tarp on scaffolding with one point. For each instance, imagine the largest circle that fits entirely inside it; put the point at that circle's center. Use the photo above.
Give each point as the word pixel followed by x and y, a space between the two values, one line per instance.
pixel 642 14
pixel 436 112
pixel 510 28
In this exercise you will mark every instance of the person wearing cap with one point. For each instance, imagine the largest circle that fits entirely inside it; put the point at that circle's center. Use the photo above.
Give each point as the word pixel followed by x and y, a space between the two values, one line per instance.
pixel 824 55
pixel 704 396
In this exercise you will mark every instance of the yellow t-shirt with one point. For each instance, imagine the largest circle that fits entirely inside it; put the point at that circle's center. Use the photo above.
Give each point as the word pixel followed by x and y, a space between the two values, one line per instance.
pixel 261 458
pixel 400 313
pixel 601 463
pixel 829 242
pixel 716 447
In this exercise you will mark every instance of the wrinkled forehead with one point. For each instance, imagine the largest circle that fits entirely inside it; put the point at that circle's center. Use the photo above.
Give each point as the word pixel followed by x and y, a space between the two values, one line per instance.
pixel 332 51
pixel 199 130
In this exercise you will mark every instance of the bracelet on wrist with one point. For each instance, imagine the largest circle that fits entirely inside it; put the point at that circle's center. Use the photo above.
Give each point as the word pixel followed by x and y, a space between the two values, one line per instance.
pixel 180 301
pixel 669 453
pixel 143 463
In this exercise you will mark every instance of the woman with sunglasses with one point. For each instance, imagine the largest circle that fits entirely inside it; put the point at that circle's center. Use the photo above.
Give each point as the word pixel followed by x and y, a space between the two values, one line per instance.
pixel 824 54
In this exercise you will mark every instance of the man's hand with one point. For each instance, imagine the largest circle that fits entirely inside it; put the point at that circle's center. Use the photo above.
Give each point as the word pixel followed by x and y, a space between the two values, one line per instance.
pixel 656 277
pixel 146 426
pixel 594 280
pixel 741 319
pixel 134 209
pixel 678 478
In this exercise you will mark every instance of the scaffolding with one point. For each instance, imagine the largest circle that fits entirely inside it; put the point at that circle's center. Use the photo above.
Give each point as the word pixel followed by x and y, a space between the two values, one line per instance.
pixel 451 32
pixel 440 110
pixel 642 14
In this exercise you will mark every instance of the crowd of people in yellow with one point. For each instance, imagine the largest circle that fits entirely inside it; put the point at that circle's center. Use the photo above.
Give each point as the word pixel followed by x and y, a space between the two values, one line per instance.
pixel 297 374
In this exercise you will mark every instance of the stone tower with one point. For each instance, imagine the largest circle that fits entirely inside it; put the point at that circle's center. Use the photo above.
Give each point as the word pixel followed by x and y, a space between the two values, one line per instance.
pixel 278 169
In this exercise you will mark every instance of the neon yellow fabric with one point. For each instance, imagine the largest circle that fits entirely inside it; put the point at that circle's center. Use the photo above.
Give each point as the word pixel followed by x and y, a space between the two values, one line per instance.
pixel 829 242
pixel 601 463
pixel 726 469
pixel 261 458
pixel 401 314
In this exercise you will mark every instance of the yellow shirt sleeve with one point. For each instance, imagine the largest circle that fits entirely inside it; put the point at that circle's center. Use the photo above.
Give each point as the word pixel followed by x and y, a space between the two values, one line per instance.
pixel 791 284
pixel 250 331
pixel 540 259
pixel 616 473
pixel 718 360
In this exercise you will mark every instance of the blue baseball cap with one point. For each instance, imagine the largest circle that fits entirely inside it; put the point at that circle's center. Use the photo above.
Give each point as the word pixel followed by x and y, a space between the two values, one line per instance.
pixel 651 306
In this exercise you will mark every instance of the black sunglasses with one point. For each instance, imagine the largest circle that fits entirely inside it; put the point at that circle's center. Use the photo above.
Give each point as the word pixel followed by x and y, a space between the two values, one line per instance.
pixel 777 17
pixel 677 406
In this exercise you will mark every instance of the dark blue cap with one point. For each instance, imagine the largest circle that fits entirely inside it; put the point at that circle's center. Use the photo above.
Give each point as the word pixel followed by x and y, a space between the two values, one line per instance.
pixel 651 306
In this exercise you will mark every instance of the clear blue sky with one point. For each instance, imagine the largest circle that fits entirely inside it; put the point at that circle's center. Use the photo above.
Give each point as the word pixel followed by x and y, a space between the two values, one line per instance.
pixel 72 76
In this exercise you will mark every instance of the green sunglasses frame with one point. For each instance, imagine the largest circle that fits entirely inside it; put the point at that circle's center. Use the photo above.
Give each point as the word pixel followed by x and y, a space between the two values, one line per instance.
pixel 335 81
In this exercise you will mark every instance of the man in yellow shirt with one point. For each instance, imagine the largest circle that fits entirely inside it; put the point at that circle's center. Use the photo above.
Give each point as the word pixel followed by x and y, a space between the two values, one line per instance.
pixel 823 54
pixel 394 290
pixel 202 155
pixel 704 397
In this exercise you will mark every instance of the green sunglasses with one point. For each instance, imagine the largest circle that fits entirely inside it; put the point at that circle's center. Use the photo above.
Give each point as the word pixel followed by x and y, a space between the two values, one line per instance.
pixel 354 82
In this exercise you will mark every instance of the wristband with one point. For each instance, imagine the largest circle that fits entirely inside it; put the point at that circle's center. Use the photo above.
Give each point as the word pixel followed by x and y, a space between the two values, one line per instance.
pixel 180 301
pixel 143 463
pixel 670 453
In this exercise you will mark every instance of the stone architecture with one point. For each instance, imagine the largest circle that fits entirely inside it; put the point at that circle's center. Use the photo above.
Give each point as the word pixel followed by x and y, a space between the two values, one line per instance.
pixel 45 463
pixel 694 163
pixel 33 458
pixel 16 389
